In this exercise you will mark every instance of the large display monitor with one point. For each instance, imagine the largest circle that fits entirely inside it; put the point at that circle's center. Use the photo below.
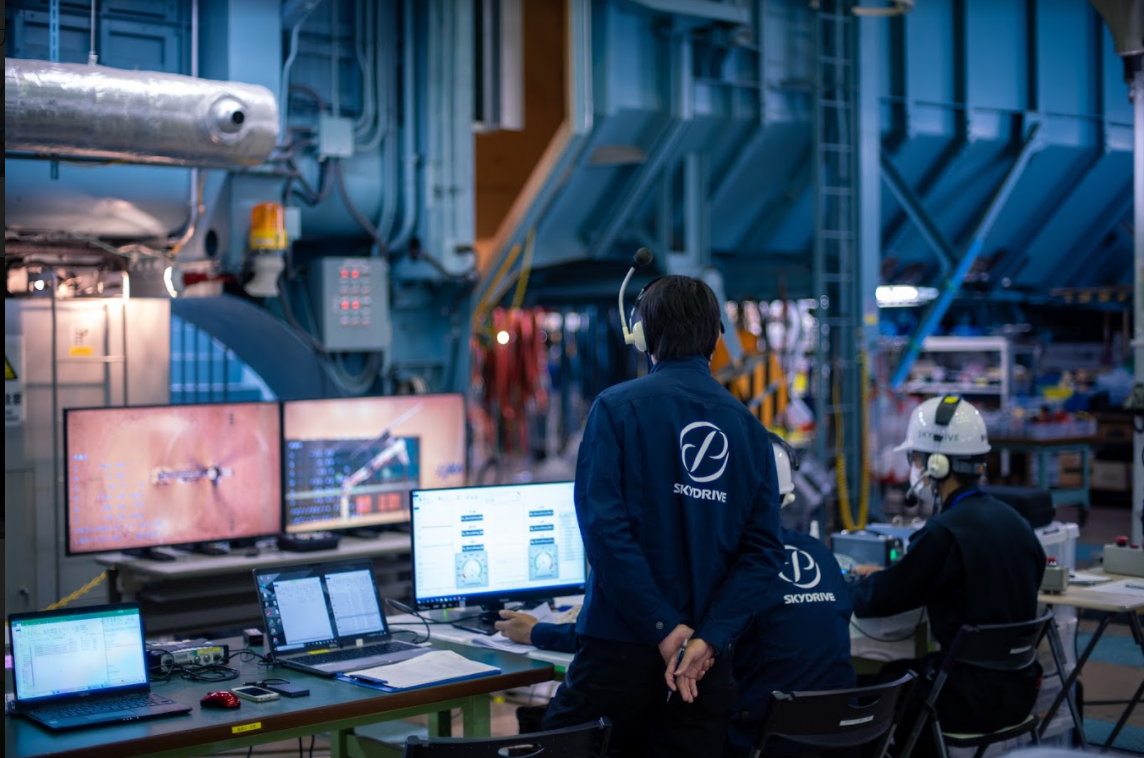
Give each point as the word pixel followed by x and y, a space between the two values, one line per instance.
pixel 146 476
pixel 491 545
pixel 351 463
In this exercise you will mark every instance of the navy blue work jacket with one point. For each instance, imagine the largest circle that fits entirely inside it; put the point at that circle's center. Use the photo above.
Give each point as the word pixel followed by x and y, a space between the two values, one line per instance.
pixel 678 505
pixel 799 638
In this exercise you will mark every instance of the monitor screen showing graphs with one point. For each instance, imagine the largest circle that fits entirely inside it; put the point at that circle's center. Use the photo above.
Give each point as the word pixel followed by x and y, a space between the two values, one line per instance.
pixel 352 462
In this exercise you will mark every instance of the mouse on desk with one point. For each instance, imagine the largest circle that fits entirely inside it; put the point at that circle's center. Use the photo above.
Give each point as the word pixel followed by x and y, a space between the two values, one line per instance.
pixel 220 699
pixel 253 552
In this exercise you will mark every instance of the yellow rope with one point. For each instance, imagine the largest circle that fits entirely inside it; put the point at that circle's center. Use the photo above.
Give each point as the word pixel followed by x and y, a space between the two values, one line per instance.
pixel 848 521
pixel 81 591
pixel 525 269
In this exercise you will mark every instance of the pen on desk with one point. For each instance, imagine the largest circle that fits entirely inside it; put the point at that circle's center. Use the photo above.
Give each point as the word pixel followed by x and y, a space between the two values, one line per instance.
pixel 1134 586
pixel 678 660
pixel 366 679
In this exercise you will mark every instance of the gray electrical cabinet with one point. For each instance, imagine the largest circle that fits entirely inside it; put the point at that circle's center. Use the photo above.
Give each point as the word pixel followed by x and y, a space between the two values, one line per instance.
pixel 351 303
pixel 66 353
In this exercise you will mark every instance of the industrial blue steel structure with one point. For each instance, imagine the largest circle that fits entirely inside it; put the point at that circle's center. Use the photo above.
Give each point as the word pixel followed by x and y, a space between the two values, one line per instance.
pixel 688 129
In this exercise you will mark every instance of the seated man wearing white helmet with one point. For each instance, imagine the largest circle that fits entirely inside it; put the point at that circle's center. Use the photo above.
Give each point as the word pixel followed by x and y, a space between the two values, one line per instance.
pixel 976 562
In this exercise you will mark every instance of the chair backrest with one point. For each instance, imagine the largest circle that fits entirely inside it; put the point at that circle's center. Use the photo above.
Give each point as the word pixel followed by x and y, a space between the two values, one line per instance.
pixel 836 718
pixel 998 647
pixel 584 741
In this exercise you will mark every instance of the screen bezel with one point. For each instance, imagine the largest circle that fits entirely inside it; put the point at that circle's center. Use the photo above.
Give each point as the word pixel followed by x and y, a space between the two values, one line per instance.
pixel 406 510
pixel 69 412
pixel 487 599
pixel 88 610
pixel 323 570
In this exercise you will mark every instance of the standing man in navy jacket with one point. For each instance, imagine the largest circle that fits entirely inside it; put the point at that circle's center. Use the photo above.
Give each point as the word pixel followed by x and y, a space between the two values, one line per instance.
pixel 678 504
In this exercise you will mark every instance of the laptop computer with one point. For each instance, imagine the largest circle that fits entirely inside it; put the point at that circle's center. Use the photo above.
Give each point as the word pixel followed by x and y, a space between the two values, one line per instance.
pixel 326 618
pixel 81 667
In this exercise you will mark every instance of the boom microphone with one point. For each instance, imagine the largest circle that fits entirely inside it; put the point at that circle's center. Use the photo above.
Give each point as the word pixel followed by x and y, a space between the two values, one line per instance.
pixel 642 257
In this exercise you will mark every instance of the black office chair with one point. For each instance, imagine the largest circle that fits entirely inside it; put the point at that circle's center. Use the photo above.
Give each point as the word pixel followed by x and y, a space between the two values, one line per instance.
pixel 996 647
pixel 833 719
pixel 584 741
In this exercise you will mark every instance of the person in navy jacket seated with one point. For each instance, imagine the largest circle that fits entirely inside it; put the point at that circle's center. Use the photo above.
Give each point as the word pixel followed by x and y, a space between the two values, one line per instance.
pixel 678 502
pixel 799 638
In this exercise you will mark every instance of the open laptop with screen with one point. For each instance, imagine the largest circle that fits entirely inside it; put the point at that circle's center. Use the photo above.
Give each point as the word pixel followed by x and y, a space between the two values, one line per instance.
pixel 325 618
pixel 491 545
pixel 81 667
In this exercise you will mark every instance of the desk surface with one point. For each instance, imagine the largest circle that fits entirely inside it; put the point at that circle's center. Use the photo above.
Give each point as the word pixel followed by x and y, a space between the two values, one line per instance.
pixel 1092 599
pixel 331 704
pixel 194 565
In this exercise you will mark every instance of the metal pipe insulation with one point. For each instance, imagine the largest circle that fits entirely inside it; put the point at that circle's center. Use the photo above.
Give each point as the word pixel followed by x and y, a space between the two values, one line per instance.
pixel 136 116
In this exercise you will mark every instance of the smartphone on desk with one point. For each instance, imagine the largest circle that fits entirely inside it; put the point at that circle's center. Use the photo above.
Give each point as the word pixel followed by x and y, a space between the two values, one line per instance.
pixel 257 694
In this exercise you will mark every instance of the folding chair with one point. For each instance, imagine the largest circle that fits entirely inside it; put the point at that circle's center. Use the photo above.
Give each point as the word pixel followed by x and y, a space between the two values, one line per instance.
pixel 832 719
pixel 994 647
pixel 584 741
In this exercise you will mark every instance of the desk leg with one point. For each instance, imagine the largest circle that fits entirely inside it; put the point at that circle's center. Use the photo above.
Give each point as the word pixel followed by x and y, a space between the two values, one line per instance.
pixel 1043 468
pixel 1138 635
pixel 339 743
pixel 476 716
pixel 441 724
pixel 1056 647
pixel 114 595
pixel 1067 684
pixel 1086 497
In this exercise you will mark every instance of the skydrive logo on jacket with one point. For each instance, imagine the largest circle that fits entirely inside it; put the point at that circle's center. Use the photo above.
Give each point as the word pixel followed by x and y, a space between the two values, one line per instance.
pixel 704 450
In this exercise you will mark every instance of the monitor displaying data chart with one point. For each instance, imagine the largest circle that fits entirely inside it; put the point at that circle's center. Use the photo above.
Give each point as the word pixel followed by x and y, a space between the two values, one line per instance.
pixel 351 463
pixel 490 545
pixel 146 476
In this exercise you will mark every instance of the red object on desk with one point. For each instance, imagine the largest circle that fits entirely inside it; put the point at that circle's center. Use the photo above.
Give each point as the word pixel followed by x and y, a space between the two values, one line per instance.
pixel 220 700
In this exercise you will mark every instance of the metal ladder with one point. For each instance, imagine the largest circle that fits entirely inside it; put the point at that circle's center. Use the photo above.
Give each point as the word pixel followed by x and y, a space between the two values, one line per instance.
pixel 837 386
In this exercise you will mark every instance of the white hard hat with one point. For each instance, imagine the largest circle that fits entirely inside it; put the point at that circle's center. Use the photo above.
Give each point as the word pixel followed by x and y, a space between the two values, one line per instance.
pixel 783 469
pixel 947 425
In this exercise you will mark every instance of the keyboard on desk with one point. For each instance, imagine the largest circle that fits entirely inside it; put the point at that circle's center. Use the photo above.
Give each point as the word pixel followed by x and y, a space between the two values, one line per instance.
pixel 92 707
pixel 353 653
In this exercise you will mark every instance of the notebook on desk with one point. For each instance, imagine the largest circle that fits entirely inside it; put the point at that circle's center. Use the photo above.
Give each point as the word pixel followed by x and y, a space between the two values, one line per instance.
pixel 82 667
pixel 326 618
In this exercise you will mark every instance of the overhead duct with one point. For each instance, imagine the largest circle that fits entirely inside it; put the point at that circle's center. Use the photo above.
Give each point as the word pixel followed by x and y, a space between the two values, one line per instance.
pixel 135 116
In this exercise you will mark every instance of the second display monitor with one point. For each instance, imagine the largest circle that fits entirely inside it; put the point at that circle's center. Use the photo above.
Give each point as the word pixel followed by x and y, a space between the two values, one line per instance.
pixel 352 462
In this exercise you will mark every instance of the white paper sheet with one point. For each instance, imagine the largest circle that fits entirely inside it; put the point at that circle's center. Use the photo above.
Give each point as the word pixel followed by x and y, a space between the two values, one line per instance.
pixel 438 666
pixel 1131 587
pixel 1081 578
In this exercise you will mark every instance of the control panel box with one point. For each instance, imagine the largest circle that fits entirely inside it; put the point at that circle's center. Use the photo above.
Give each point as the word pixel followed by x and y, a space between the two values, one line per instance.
pixel 351 303
pixel 1122 558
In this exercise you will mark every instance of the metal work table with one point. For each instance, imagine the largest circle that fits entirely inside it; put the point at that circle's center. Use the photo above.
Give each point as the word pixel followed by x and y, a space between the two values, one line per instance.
pixel 1042 449
pixel 195 591
pixel 332 706
pixel 1111 605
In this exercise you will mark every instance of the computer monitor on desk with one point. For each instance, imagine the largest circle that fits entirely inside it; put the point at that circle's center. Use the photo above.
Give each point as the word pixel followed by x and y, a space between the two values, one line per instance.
pixel 142 477
pixel 351 463
pixel 491 545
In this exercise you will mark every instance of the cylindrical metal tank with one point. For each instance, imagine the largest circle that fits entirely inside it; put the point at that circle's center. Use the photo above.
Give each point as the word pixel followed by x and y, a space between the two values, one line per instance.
pixel 136 116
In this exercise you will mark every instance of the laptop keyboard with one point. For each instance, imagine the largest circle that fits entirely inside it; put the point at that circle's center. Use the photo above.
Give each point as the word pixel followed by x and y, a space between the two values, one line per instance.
pixel 350 653
pixel 87 708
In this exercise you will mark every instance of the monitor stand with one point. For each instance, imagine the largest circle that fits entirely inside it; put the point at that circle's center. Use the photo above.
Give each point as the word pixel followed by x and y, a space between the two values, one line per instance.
pixel 149 554
pixel 211 548
pixel 484 623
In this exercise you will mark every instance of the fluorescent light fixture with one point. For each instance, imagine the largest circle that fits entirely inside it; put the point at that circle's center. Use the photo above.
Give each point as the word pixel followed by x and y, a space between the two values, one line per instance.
pixel 903 295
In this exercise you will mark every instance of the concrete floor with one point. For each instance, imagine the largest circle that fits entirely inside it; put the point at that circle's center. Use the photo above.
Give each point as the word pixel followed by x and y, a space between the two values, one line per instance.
pixel 1102 679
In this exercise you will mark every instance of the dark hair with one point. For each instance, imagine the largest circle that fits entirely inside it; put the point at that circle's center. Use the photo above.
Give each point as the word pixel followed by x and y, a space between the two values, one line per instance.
pixel 681 318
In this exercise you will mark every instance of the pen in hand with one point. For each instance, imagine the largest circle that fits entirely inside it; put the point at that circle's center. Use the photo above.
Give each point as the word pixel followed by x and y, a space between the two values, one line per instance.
pixel 678 660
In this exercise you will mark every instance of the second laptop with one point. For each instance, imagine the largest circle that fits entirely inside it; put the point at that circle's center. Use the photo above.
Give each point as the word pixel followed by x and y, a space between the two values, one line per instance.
pixel 326 618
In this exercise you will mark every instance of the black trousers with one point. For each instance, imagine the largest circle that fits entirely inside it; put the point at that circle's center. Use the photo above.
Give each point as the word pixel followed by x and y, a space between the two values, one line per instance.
pixel 624 682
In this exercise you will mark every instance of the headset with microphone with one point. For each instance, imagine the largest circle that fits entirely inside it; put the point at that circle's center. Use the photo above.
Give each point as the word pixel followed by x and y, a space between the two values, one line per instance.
pixel 938 466
pixel 633 328
pixel 634 335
